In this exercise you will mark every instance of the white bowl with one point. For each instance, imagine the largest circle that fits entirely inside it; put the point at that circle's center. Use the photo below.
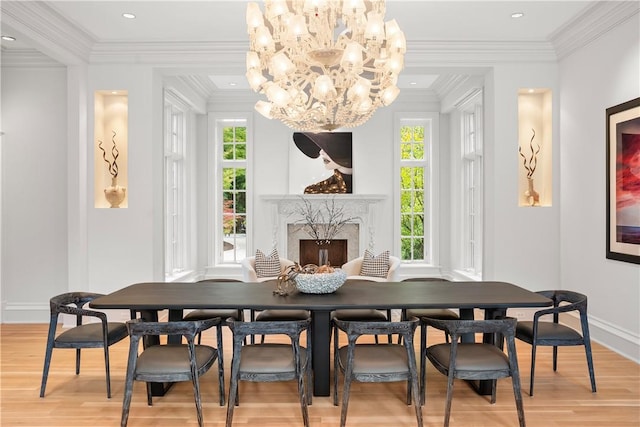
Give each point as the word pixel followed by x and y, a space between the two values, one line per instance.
pixel 321 283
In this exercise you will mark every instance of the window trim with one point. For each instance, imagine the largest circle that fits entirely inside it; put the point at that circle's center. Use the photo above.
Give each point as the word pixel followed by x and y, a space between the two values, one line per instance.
pixel 174 103
pixel 214 191
pixel 432 184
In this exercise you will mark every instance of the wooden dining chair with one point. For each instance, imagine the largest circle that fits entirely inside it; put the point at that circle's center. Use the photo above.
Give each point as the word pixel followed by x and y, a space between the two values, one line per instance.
pixel 474 361
pixel 210 313
pixel 537 332
pixel 271 362
pixel 101 334
pixel 375 362
pixel 171 362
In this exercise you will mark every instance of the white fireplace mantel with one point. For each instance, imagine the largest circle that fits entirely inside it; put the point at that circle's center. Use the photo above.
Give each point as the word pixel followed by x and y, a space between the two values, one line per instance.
pixel 362 207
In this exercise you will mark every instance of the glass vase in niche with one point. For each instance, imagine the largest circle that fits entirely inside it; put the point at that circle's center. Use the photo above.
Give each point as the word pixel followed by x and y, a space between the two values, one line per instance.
pixel 323 252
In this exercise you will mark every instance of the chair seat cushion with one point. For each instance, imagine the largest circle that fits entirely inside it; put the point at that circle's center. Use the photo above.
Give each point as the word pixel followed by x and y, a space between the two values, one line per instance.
pixel 377 359
pixel 434 313
pixel 269 358
pixel 211 313
pixel 92 333
pixel 547 331
pixel 360 315
pixel 173 359
pixel 268 315
pixel 470 357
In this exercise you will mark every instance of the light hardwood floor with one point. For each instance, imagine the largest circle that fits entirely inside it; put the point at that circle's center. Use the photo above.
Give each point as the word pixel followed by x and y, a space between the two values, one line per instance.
pixel 563 398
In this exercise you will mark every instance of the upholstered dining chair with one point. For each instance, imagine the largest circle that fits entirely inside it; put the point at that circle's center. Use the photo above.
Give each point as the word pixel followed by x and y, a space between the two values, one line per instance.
pixel 171 362
pixel 209 313
pixel 375 362
pixel 271 362
pixel 252 272
pixel 90 335
pixel 361 314
pixel 359 268
pixel 434 313
pixel 474 361
pixel 537 332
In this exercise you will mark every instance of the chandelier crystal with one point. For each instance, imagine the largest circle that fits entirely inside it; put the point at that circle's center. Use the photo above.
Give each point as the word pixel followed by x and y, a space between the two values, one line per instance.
pixel 323 64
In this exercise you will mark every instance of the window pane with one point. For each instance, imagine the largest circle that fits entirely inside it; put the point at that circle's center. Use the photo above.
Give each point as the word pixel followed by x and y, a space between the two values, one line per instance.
pixel 405 150
pixel 241 202
pixel 241 221
pixel 418 248
pixel 418 151
pixel 405 225
pixel 228 134
pixel 241 179
pixel 418 133
pixel 405 248
pixel 227 153
pixel 241 151
pixel 228 175
pixel 418 225
pixel 241 134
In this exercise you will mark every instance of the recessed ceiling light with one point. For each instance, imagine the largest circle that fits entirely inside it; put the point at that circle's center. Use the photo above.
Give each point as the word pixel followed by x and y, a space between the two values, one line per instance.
pixel 9 38
pixel 517 15
pixel 232 84
pixel 531 90
pixel 129 15
pixel 413 83
pixel 114 92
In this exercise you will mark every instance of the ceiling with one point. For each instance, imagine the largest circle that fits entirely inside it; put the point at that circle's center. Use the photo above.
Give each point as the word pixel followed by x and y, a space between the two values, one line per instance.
pixel 224 21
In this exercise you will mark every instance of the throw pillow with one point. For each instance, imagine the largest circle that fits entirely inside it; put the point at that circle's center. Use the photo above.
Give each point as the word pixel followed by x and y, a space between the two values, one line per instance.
pixel 375 266
pixel 267 265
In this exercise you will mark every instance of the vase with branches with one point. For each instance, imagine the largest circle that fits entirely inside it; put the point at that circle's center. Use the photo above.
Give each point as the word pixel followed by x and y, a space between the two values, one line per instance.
pixel 114 194
pixel 322 222
pixel 530 163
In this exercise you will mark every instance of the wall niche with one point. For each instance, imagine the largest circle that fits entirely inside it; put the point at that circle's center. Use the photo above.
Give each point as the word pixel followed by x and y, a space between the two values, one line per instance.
pixel 110 154
pixel 535 147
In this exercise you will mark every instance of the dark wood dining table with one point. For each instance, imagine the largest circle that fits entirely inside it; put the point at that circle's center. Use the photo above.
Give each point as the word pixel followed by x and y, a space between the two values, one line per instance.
pixel 493 297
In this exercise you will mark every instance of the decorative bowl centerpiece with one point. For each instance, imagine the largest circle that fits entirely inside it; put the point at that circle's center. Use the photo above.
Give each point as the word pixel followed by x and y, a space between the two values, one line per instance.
pixel 321 282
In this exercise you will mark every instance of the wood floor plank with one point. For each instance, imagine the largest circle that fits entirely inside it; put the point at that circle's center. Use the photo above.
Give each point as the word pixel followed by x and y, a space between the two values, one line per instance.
pixel 561 398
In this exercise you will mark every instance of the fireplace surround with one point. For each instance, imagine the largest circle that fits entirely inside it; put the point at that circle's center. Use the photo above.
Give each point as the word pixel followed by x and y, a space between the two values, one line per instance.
pixel 287 226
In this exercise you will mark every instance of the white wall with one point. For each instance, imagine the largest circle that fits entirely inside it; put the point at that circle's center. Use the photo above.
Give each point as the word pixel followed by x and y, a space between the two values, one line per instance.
pixel 526 246
pixel 601 75
pixel 34 190
pixel 523 247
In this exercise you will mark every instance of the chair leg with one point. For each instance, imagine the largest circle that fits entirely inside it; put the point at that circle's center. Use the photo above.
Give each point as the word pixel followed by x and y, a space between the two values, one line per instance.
pixel 303 398
pixel 77 361
pixel 592 375
pixel 196 395
pixel 423 363
pixel 555 358
pixel 233 389
pixel 345 396
pixel 447 407
pixel 515 381
pixel 220 365
pixel 494 390
pixel 533 368
pixel 416 396
pixel 107 373
pixel 47 359
pixel 126 403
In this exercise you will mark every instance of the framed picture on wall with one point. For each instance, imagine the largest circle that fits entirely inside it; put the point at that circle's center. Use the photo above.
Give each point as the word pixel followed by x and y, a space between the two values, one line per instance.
pixel 321 163
pixel 623 181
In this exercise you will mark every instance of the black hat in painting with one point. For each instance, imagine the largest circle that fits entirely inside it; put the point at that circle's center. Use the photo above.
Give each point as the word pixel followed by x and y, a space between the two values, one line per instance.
pixel 336 144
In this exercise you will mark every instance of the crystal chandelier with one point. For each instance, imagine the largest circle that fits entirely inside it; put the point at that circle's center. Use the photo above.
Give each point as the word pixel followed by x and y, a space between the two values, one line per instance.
pixel 323 64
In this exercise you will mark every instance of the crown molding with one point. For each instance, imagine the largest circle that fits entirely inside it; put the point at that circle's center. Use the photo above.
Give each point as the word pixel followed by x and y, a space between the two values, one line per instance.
pixel 591 24
pixel 57 36
pixel 27 58
pixel 223 55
